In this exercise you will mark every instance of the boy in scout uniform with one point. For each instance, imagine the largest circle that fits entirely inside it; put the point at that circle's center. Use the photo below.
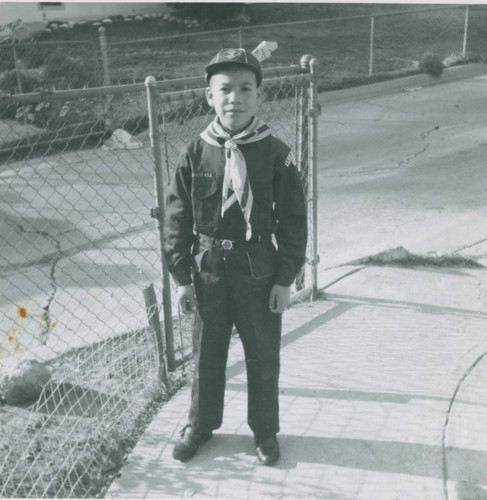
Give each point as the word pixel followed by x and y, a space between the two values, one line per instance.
pixel 235 239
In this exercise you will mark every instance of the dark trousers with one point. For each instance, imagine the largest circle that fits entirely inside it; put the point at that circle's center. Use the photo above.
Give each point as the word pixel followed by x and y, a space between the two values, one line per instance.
pixel 228 294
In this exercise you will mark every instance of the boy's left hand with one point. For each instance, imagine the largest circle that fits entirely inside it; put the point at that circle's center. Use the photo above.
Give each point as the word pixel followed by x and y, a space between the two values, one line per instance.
pixel 279 298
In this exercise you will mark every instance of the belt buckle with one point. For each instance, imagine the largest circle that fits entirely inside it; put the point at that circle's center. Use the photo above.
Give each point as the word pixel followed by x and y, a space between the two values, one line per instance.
pixel 227 244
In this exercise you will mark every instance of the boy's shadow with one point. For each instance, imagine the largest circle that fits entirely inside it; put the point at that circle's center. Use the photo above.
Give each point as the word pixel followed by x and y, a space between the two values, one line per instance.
pixel 223 450
pixel 417 459
pixel 233 457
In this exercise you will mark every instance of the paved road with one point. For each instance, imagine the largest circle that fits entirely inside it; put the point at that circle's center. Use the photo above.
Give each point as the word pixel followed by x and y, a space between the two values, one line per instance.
pixel 77 241
pixel 403 169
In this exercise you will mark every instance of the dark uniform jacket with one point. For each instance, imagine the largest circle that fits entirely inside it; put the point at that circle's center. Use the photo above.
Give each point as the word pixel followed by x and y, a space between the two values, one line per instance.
pixel 194 200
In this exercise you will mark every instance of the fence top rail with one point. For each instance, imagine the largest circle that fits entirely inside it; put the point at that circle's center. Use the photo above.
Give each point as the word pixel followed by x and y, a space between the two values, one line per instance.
pixel 181 95
pixel 49 42
pixel 190 83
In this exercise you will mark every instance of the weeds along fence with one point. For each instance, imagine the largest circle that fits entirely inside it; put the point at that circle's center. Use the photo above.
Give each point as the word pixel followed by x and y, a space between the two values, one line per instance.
pixel 349 47
pixel 82 279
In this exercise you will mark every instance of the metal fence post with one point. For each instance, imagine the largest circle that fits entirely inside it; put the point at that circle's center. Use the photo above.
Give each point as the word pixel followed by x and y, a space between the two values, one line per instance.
pixel 106 76
pixel 371 50
pixel 158 213
pixel 302 145
pixel 465 33
pixel 314 111
pixel 98 70
pixel 17 69
pixel 154 321
pixel 240 39
pixel 104 57
pixel 19 84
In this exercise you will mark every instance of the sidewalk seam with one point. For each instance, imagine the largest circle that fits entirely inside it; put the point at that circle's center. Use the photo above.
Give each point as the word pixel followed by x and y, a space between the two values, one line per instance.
pixel 468 371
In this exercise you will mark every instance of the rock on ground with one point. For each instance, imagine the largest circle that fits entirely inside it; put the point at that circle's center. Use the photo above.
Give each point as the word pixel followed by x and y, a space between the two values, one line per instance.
pixel 23 382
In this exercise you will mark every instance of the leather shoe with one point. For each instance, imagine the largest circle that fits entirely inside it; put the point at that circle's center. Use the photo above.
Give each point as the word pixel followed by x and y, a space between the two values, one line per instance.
pixel 268 451
pixel 190 441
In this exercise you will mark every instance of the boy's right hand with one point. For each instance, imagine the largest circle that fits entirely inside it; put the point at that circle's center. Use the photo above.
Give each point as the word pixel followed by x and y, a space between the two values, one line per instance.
pixel 186 299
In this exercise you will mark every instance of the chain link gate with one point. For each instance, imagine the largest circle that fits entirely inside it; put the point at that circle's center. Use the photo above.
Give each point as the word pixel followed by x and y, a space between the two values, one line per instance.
pixel 290 109
pixel 80 267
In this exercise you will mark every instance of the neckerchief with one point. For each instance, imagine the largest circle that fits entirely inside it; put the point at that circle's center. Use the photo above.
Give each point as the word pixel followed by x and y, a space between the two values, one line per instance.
pixel 235 177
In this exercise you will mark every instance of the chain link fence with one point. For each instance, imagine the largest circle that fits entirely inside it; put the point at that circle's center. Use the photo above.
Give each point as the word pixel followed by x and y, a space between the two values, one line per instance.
pixel 81 275
pixel 32 66
pixel 75 254
pixel 382 43
pixel 349 47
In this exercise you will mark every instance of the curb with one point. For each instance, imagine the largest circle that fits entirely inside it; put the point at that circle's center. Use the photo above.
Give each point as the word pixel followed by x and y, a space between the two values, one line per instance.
pixel 398 84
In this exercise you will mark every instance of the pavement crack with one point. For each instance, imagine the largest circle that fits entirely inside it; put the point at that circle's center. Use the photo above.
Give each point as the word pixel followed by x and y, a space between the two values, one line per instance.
pixel 447 420
pixel 466 247
pixel 69 252
pixel 481 292
pixel 54 259
pixel 424 135
pixel 346 275
pixel 334 122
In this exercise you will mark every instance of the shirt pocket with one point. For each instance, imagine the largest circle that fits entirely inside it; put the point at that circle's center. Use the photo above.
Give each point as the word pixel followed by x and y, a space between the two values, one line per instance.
pixel 262 260
pixel 205 200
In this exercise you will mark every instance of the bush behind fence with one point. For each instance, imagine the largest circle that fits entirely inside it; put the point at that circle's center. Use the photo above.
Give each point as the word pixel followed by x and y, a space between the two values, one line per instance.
pixel 78 251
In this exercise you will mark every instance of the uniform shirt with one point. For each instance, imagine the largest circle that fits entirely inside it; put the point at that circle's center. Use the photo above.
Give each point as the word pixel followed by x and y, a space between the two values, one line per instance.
pixel 195 196
pixel 232 225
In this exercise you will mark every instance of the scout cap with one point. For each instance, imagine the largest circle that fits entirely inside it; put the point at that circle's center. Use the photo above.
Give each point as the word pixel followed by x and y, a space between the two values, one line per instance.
pixel 240 57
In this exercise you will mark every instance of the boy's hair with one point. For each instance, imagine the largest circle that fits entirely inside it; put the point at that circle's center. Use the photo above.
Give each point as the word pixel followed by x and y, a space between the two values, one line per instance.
pixel 234 57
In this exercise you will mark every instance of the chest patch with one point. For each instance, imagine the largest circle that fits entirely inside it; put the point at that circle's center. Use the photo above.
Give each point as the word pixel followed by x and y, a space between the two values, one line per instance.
pixel 290 159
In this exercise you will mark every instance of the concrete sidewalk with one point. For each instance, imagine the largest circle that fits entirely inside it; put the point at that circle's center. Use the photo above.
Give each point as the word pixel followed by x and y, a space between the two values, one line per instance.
pixel 383 397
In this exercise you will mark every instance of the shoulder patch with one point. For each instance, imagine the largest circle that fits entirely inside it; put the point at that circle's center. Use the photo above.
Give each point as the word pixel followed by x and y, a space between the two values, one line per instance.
pixel 290 159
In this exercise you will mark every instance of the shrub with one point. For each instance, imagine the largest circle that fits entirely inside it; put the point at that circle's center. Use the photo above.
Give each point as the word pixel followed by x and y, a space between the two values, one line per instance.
pixel 33 56
pixel 7 111
pixel 29 81
pixel 6 58
pixel 431 64
pixel 64 71
pixel 58 114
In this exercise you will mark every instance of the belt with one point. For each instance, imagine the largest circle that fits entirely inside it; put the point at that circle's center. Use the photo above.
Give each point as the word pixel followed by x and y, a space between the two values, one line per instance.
pixel 231 244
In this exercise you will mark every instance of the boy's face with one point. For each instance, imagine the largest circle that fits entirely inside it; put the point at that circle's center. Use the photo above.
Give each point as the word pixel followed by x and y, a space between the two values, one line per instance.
pixel 234 94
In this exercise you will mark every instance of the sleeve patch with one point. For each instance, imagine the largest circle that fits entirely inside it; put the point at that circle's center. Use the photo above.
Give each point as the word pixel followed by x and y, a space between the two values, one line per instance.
pixel 290 159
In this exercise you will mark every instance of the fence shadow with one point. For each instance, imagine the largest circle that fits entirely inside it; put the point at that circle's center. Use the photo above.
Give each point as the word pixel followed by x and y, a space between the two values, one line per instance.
pixel 69 400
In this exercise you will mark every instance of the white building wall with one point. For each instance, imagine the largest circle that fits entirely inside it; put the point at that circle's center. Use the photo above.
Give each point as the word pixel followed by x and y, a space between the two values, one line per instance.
pixel 38 12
